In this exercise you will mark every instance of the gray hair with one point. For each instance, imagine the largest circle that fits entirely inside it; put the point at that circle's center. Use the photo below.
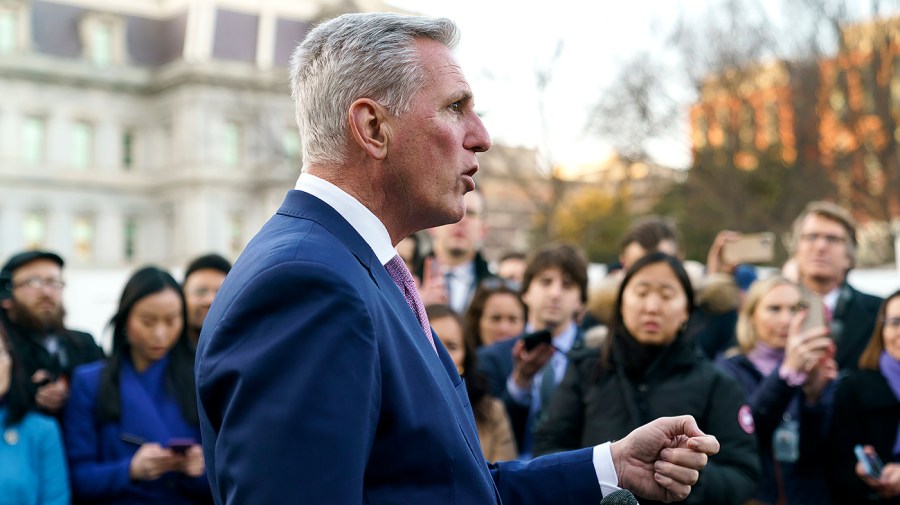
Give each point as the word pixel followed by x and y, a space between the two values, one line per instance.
pixel 353 56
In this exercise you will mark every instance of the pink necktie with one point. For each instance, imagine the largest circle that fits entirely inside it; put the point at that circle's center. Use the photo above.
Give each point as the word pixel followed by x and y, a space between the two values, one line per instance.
pixel 396 267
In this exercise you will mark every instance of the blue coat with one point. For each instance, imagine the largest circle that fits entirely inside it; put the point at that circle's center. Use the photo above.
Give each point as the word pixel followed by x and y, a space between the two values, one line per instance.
pixel 771 400
pixel 33 468
pixel 316 385
pixel 99 458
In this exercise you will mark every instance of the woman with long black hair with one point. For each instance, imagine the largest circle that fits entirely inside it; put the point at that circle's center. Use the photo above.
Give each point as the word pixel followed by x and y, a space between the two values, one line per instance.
pixel 647 369
pixel 131 425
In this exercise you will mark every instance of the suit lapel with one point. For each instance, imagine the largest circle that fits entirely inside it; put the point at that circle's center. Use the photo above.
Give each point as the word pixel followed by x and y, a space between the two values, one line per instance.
pixel 303 205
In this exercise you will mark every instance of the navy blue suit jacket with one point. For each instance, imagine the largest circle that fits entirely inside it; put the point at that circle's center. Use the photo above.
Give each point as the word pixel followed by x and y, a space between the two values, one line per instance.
pixel 316 385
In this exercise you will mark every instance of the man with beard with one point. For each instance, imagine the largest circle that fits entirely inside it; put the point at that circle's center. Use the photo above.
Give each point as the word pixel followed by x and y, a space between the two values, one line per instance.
pixel 31 298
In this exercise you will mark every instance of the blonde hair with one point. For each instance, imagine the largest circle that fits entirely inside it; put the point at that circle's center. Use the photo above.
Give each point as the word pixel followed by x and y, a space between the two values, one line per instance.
pixel 746 333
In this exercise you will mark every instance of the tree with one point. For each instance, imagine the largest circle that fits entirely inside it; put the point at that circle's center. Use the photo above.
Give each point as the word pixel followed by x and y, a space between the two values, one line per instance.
pixel 594 219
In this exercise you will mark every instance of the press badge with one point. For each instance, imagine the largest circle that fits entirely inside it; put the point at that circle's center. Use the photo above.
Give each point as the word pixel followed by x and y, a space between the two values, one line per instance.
pixel 786 441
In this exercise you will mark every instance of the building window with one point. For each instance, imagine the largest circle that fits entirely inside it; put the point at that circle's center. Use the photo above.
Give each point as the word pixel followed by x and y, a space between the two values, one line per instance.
pixel 232 144
pixel 103 39
pixel 9 30
pixel 130 236
pixel 83 235
pixel 128 149
pixel 82 146
pixel 13 27
pixel 34 229
pixel 34 133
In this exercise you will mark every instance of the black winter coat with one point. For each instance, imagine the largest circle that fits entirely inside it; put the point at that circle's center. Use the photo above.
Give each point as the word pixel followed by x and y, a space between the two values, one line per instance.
pixel 589 408
pixel 772 400
pixel 866 412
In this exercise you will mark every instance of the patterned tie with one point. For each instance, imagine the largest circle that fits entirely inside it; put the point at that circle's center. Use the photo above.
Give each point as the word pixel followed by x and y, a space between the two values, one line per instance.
pixel 396 267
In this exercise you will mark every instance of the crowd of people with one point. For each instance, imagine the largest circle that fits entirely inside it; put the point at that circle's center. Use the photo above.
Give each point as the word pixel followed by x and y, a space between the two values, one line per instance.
pixel 789 400
pixel 340 369
pixel 80 426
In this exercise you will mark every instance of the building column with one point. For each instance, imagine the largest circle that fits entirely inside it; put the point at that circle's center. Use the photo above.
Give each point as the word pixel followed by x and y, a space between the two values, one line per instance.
pixel 265 38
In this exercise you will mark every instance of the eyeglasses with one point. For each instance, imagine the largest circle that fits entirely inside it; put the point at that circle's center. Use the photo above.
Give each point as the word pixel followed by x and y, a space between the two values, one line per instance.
pixel 829 239
pixel 203 292
pixel 891 322
pixel 38 283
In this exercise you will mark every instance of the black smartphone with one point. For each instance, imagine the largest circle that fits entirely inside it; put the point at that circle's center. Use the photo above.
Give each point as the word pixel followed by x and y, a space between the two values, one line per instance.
pixel 532 340
pixel 180 445
pixel 870 462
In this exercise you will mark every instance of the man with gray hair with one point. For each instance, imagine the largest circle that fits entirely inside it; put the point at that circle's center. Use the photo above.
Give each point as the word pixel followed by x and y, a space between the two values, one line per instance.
pixel 823 245
pixel 319 377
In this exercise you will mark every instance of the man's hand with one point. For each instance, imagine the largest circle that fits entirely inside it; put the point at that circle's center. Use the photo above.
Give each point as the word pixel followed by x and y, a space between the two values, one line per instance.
pixel 527 363
pixel 51 396
pixel 662 459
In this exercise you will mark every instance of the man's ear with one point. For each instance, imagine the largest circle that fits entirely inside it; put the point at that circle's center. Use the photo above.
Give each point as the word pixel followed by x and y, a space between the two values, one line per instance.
pixel 6 303
pixel 368 127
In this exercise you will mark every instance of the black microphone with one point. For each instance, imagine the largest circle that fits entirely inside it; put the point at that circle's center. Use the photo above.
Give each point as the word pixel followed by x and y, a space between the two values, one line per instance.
pixel 620 497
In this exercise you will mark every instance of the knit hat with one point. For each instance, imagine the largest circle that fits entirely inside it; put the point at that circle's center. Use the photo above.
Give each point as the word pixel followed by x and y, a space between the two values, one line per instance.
pixel 19 260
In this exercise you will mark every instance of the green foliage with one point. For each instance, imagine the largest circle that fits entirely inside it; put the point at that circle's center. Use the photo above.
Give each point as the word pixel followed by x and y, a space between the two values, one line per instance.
pixel 595 220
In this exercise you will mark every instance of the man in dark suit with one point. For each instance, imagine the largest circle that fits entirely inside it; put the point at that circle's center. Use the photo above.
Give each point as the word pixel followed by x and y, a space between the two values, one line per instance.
pixel 554 289
pixel 31 289
pixel 824 248
pixel 318 376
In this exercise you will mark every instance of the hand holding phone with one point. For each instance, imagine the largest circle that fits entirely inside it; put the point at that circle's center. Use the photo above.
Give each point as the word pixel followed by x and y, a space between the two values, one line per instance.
pixel 532 340
pixel 871 463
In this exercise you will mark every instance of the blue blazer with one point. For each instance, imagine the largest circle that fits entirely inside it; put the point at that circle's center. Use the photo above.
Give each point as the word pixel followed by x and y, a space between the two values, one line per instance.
pixel 100 453
pixel 316 385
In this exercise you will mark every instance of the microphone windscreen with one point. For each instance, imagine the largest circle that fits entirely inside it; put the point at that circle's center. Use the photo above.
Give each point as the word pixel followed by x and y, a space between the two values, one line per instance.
pixel 620 497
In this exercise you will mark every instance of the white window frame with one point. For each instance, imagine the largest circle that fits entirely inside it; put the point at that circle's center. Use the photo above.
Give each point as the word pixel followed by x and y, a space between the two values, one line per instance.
pixel 21 16
pixel 88 28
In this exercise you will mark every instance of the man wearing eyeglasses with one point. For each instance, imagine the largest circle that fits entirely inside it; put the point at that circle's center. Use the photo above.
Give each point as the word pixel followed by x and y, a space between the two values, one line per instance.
pixel 202 280
pixel 31 288
pixel 824 248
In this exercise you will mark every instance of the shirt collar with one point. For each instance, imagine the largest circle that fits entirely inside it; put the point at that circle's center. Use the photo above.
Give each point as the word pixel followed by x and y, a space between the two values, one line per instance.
pixel 369 227
pixel 831 298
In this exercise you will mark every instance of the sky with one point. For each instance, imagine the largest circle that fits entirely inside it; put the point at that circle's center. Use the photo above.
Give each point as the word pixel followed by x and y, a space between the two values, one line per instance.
pixel 504 43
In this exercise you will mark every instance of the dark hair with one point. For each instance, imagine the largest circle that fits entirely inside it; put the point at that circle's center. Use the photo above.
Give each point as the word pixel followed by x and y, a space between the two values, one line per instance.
pixel 486 289
pixel 648 232
pixel 566 257
pixel 180 368
pixel 18 401
pixel 868 360
pixel 208 261
pixel 617 327
pixel 476 384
